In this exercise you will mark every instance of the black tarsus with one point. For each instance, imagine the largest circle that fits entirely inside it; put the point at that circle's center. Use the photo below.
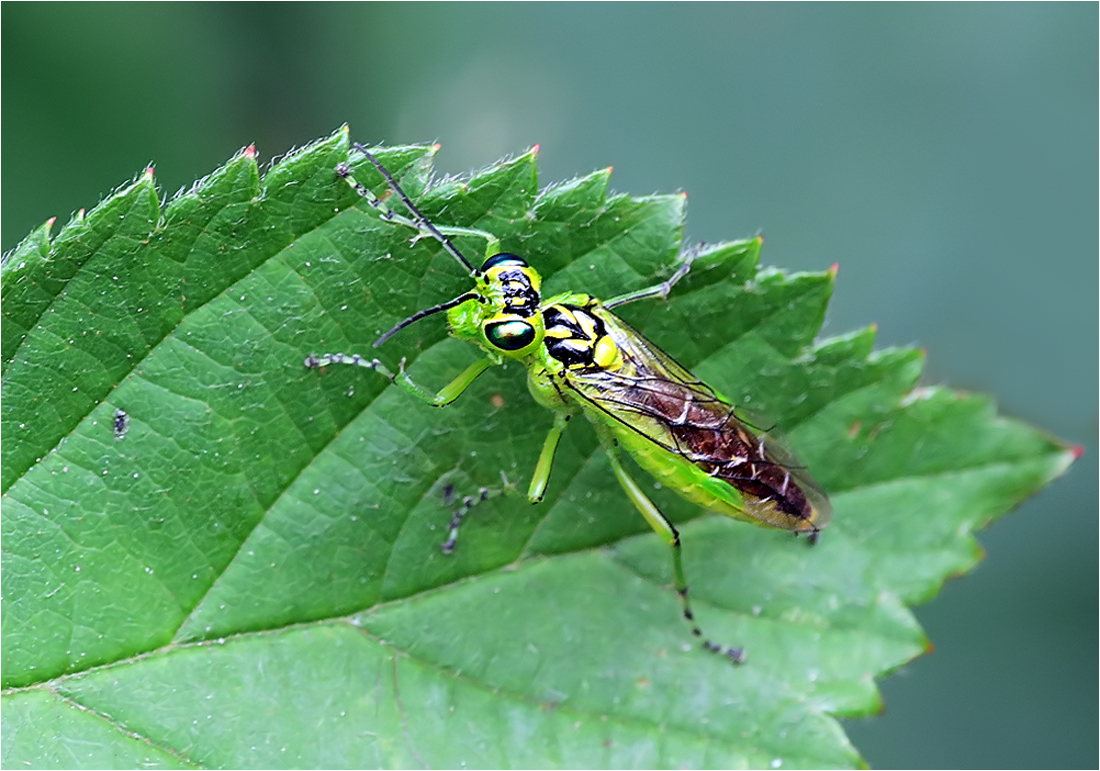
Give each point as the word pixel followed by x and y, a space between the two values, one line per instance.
pixel 468 503
pixel 736 655
pixel 417 215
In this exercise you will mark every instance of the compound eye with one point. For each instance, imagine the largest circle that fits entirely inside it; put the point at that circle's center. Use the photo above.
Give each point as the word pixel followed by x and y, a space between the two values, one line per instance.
pixel 510 335
pixel 503 259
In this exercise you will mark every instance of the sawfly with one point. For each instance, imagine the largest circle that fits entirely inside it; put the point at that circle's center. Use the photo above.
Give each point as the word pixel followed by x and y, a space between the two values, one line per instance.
pixel 583 359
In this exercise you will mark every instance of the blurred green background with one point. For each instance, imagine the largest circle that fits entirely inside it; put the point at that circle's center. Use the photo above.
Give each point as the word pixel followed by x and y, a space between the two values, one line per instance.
pixel 944 155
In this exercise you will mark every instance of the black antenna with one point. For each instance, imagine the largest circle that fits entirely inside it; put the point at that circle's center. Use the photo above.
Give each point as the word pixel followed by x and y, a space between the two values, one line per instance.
pixel 419 218
pixel 427 312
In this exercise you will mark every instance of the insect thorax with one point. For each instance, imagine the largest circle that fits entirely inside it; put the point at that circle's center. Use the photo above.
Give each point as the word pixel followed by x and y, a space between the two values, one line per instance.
pixel 575 341
pixel 578 339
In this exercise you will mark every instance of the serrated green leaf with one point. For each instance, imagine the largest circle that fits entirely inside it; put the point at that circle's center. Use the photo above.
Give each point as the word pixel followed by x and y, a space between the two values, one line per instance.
pixel 251 575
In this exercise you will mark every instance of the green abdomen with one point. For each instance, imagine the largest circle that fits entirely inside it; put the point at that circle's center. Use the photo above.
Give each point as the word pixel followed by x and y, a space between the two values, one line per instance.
pixel 683 476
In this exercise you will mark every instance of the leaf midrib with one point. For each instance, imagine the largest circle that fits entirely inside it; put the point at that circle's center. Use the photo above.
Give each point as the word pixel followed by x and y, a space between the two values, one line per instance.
pixel 50 686
pixel 506 568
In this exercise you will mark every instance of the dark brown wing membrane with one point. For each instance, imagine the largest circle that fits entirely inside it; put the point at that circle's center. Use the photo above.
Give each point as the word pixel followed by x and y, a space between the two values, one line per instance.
pixel 656 397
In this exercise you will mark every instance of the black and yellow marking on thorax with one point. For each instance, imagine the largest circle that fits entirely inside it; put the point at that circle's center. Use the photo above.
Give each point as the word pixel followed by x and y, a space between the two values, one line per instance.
pixel 579 339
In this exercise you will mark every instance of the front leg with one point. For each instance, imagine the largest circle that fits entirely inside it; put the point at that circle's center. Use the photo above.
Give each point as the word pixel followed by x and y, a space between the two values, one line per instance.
pixel 446 395
pixel 418 222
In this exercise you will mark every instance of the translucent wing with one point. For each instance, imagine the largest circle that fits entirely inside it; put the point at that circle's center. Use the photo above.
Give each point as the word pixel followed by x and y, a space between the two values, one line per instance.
pixel 654 396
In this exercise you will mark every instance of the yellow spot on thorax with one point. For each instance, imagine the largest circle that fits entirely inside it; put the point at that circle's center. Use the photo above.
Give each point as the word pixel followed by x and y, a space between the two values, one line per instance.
pixel 607 355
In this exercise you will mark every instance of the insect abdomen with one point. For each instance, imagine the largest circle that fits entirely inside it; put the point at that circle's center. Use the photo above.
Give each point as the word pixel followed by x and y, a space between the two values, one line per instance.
pixel 710 473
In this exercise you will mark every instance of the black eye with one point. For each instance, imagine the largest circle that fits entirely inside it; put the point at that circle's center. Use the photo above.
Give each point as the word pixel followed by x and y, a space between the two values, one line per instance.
pixel 503 259
pixel 510 335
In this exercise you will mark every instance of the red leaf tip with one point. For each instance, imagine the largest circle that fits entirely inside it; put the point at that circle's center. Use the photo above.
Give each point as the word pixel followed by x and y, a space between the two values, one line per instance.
pixel 535 149
pixel 834 268
pixel 1078 450
pixel 250 151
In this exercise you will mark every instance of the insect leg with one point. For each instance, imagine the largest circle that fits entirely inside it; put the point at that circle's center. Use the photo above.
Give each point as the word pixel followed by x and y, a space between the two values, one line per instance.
pixel 468 502
pixel 660 290
pixel 546 458
pixel 446 395
pixel 418 221
pixel 665 529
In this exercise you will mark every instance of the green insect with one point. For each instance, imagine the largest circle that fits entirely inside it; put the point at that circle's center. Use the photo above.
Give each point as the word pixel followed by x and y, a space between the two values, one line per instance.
pixel 581 358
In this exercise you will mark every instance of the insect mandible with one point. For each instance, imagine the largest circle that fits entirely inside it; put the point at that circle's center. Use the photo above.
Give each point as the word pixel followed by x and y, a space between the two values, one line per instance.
pixel 582 358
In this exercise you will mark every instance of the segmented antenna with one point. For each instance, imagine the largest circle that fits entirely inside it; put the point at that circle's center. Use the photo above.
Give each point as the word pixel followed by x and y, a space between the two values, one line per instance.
pixel 427 312
pixel 418 217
